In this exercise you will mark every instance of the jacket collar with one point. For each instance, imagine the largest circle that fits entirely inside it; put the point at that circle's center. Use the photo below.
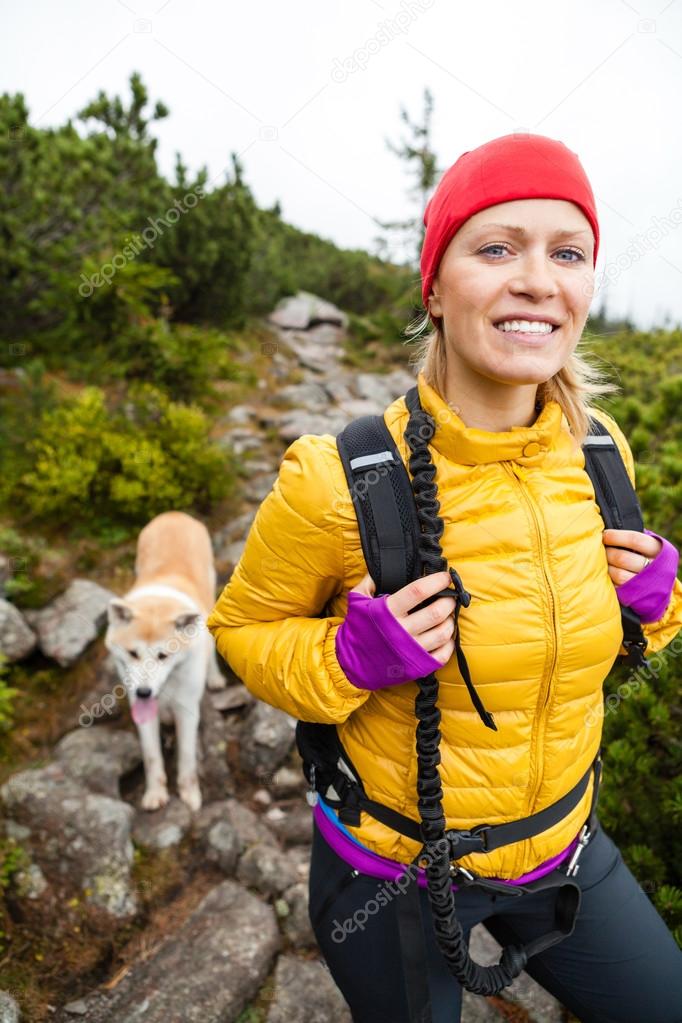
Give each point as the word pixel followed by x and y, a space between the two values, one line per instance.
pixel 468 445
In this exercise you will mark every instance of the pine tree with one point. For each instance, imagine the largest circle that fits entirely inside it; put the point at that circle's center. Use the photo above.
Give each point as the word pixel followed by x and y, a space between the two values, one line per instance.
pixel 418 155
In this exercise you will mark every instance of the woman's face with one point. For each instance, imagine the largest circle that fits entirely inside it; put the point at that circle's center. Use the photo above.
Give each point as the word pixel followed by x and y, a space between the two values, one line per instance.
pixel 492 272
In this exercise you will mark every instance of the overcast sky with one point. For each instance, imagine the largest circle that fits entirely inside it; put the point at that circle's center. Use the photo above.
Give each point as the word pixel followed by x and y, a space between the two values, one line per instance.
pixel 307 93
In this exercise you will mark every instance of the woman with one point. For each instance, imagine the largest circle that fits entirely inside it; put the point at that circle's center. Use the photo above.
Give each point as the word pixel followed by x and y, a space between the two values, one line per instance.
pixel 511 235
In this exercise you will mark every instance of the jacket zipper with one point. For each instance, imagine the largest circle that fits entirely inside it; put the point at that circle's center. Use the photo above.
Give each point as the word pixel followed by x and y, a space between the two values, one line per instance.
pixel 516 474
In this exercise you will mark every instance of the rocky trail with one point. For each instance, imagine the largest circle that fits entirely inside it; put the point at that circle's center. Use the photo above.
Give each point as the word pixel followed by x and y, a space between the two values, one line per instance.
pixel 208 910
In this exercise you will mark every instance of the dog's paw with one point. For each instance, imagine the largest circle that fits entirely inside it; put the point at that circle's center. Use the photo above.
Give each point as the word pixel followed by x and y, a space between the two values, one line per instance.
pixel 190 793
pixel 217 681
pixel 155 798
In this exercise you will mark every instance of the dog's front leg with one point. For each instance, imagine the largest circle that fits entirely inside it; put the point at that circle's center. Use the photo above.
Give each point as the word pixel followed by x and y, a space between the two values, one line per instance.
pixel 186 729
pixel 214 676
pixel 156 791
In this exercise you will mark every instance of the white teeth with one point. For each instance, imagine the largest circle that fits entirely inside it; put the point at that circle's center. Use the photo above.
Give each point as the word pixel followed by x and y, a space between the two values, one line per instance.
pixel 526 326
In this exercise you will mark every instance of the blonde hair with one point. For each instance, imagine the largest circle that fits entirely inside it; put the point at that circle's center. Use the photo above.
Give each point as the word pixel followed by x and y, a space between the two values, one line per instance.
pixel 573 387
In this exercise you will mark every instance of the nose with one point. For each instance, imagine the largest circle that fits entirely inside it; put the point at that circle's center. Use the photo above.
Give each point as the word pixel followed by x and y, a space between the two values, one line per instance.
pixel 536 275
pixel 144 692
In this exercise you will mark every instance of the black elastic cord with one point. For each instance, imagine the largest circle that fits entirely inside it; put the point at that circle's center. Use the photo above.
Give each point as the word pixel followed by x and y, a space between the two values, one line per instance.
pixel 482 980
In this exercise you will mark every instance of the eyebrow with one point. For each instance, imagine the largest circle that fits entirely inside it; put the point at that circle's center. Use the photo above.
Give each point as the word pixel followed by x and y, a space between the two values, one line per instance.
pixel 515 229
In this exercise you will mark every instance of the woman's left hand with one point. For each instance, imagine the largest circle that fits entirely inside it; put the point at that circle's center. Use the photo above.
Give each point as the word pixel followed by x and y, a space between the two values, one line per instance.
pixel 625 565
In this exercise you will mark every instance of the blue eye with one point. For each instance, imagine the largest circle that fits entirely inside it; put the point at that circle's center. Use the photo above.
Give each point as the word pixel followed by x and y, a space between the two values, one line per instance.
pixel 576 252
pixel 501 245
pixel 495 246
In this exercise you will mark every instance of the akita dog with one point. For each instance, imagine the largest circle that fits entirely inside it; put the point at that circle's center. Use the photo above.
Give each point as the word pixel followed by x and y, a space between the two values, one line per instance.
pixel 163 651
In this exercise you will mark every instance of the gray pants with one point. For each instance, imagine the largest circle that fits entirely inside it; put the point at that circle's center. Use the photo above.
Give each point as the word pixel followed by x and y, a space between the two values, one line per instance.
pixel 620 965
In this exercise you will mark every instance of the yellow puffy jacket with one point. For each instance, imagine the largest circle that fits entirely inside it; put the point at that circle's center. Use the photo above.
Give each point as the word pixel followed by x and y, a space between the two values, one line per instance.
pixel 542 630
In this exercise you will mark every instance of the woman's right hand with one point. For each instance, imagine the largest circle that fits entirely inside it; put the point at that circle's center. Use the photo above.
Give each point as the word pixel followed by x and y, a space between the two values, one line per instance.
pixel 378 645
pixel 433 627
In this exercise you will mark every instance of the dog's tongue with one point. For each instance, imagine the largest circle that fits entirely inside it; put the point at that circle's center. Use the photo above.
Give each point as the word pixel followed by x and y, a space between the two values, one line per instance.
pixel 144 710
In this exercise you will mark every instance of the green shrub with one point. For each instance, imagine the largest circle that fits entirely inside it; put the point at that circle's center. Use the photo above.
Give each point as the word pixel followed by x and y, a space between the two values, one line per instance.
pixel 122 332
pixel 286 259
pixel 13 858
pixel 7 696
pixel 124 464
pixel 24 554
pixel 185 361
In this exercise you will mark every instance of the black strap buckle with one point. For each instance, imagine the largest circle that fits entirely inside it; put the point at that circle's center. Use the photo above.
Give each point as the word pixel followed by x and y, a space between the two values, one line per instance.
pixel 349 796
pixel 635 653
pixel 466 879
pixel 465 841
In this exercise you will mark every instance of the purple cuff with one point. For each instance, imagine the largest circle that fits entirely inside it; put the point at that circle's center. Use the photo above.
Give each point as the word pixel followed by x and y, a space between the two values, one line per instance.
pixel 375 650
pixel 648 593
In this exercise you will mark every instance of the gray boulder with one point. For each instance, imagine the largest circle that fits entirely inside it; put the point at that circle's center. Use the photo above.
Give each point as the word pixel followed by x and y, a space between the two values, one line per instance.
pixel 240 439
pixel 476 1009
pixel 98 757
pixel 299 421
pixel 381 389
pixel 29 883
pixel 107 698
pixel 288 781
pixel 248 825
pixel 77 837
pixel 163 828
pixel 260 485
pixel 9 1010
pixel 296 922
pixel 17 640
pixel 338 388
pixel 309 395
pixel 304 310
pixel 299 855
pixel 293 826
pixel 305 992
pixel 69 623
pixel 223 846
pixel 318 349
pixel 207 971
pixel 233 697
pixel 266 868
pixel 268 736
pixel 214 771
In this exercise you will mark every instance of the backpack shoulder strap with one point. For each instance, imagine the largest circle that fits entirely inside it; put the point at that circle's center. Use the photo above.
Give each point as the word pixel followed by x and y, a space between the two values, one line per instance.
pixel 616 496
pixel 620 509
pixel 382 495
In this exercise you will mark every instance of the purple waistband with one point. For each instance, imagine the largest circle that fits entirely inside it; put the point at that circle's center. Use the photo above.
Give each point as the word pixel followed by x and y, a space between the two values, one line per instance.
pixel 386 869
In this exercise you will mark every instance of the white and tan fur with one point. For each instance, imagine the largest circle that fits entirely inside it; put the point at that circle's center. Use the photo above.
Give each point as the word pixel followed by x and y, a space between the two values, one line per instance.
pixel 163 651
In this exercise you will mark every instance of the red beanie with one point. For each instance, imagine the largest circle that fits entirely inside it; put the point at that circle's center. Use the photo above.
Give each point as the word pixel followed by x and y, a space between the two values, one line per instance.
pixel 517 166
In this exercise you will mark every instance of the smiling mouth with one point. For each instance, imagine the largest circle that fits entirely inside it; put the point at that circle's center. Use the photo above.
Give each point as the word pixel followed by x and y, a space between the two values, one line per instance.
pixel 532 337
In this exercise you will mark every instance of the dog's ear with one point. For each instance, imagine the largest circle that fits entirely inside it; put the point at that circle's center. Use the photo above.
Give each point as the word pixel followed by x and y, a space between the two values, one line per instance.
pixel 118 611
pixel 186 620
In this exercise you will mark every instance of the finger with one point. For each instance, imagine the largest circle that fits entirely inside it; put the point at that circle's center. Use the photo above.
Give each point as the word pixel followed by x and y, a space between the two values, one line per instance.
pixel 629 561
pixel 409 596
pixel 429 618
pixel 619 576
pixel 444 653
pixel 434 638
pixel 621 537
pixel 633 540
